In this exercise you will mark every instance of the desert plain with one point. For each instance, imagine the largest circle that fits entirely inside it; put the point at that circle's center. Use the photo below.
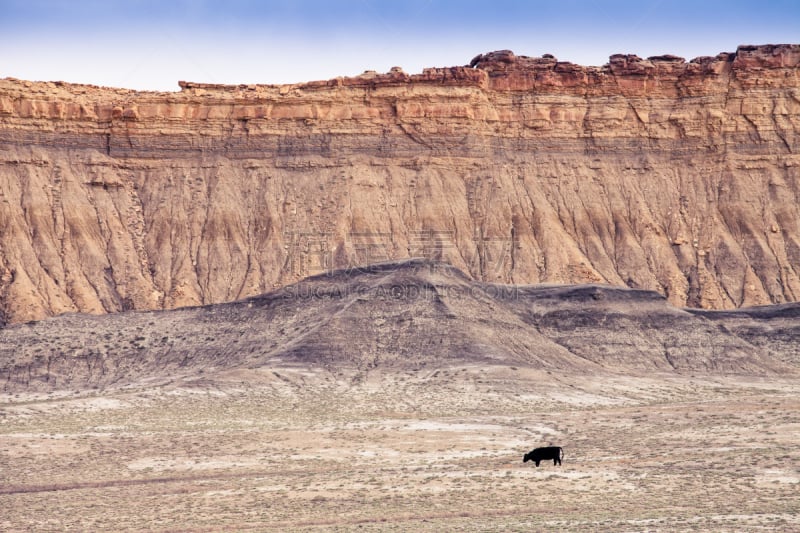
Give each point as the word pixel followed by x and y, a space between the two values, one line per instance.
pixel 430 450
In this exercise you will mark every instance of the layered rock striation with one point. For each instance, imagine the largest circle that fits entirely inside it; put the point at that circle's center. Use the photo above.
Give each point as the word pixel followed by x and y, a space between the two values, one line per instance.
pixel 659 174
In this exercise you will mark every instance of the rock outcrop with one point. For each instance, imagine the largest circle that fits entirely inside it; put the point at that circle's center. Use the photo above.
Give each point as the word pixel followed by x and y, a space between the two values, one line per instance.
pixel 660 174
pixel 405 315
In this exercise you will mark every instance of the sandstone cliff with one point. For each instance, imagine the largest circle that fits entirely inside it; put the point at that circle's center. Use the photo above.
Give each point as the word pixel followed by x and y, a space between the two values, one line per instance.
pixel 662 174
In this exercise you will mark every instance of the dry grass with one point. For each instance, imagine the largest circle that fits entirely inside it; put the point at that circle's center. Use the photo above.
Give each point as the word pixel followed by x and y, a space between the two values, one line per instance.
pixel 286 449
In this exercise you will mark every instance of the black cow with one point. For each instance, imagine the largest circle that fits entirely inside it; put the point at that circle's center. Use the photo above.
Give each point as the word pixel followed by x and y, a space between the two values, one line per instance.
pixel 556 453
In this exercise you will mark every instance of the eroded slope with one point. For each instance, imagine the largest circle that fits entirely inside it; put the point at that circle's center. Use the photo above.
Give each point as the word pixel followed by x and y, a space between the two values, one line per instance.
pixel 400 316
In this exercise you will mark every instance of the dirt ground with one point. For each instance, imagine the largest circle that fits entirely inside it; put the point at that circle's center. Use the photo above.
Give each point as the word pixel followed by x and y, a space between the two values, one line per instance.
pixel 302 449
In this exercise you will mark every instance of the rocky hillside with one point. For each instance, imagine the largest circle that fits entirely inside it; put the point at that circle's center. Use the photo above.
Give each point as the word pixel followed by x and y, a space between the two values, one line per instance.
pixel 659 174
pixel 402 316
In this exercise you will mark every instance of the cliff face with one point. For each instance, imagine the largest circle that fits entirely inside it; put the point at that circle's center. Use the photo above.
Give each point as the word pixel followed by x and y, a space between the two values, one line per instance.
pixel 680 177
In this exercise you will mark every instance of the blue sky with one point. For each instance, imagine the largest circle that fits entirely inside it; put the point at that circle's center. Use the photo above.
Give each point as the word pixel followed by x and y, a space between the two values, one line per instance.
pixel 151 44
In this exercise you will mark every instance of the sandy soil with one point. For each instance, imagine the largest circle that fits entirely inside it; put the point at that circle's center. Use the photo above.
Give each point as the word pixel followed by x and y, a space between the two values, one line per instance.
pixel 293 449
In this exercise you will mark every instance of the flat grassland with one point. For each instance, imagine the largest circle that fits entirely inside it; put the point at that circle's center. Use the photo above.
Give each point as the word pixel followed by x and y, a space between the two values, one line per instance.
pixel 305 449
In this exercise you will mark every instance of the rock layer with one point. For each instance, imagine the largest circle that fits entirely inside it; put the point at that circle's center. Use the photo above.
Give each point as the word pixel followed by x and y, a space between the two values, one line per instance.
pixel 660 174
